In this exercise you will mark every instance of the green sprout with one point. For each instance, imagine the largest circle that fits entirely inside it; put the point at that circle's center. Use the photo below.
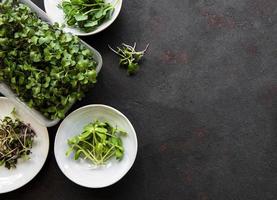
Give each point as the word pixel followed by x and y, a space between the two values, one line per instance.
pixel 129 57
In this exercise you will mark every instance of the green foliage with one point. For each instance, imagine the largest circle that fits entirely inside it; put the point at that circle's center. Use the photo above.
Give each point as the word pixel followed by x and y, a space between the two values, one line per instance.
pixel 86 15
pixel 16 140
pixel 129 57
pixel 45 67
pixel 98 142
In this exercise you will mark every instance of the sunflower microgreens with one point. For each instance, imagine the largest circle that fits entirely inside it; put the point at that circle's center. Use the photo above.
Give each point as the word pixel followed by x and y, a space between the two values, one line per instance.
pixel 86 15
pixel 99 142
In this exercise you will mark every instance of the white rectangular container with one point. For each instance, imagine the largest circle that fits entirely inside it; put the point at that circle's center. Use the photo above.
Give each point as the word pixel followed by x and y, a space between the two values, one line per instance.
pixel 6 91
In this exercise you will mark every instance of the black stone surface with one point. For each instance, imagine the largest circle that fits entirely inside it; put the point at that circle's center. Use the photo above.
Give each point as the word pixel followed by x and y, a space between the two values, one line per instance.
pixel 204 103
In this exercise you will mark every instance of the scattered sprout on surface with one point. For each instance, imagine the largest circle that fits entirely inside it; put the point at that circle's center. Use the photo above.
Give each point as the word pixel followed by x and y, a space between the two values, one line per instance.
pixel 129 57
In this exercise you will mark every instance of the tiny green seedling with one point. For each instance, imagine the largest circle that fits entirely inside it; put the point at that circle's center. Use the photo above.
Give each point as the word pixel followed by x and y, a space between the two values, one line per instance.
pixel 129 57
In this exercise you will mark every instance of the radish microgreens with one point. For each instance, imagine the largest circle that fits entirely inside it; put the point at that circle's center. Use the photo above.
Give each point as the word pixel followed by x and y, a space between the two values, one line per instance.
pixel 16 141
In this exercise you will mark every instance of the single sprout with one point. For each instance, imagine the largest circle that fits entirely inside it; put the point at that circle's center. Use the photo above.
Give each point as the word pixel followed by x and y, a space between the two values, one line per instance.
pixel 129 57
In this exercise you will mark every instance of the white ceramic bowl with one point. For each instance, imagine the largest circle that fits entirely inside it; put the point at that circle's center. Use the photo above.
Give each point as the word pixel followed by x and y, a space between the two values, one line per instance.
pixel 25 171
pixel 82 171
pixel 56 15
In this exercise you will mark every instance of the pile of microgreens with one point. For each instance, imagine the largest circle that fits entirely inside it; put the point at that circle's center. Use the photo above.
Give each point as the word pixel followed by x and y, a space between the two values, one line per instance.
pixel 45 67
pixel 16 140
pixel 86 15
pixel 98 143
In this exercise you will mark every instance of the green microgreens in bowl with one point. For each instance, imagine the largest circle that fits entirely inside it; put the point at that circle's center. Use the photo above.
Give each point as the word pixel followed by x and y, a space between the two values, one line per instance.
pixel 46 68
pixel 86 15
pixel 16 141
pixel 99 142
pixel 129 57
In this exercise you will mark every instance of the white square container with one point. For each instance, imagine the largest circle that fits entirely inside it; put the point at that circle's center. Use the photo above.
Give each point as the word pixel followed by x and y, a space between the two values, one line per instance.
pixel 6 91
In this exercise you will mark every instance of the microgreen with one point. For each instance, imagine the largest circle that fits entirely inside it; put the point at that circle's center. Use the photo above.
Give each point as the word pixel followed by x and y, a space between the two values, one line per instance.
pixel 45 67
pixel 129 57
pixel 99 142
pixel 16 141
pixel 86 15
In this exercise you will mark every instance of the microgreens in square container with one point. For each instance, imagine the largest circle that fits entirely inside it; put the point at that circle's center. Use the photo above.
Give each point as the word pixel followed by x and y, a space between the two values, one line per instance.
pixel 43 66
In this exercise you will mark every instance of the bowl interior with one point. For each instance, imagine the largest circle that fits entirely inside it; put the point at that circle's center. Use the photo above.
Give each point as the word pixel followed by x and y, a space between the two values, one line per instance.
pixel 25 170
pixel 56 15
pixel 81 171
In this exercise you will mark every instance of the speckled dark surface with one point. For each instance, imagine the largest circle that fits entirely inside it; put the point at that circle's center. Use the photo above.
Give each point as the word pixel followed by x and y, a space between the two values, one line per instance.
pixel 204 103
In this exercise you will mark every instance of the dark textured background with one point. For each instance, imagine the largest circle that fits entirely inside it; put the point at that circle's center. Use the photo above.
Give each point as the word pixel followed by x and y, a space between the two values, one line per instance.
pixel 204 103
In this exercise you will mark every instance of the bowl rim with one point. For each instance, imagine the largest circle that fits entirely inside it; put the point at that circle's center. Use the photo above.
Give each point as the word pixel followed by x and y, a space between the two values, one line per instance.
pixel 97 30
pixel 129 124
pixel 39 168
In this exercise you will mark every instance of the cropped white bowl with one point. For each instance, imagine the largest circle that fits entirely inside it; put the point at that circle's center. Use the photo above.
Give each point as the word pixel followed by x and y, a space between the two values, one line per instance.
pixel 26 170
pixel 81 171
pixel 56 15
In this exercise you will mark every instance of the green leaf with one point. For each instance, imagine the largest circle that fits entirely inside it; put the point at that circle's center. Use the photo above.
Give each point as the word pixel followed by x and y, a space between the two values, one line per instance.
pixel 99 148
pixel 99 14
pixel 91 24
pixel 21 80
pixel 34 39
pixel 85 135
pixel 36 57
pixel 80 77
pixel 118 154
pixel 13 80
pixel 73 140
pixel 89 128
pixel 103 136
pixel 92 76
pixel 101 130
pixel 114 141
pixel 81 17
pixel 122 132
pixel 69 151
pixel 77 154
